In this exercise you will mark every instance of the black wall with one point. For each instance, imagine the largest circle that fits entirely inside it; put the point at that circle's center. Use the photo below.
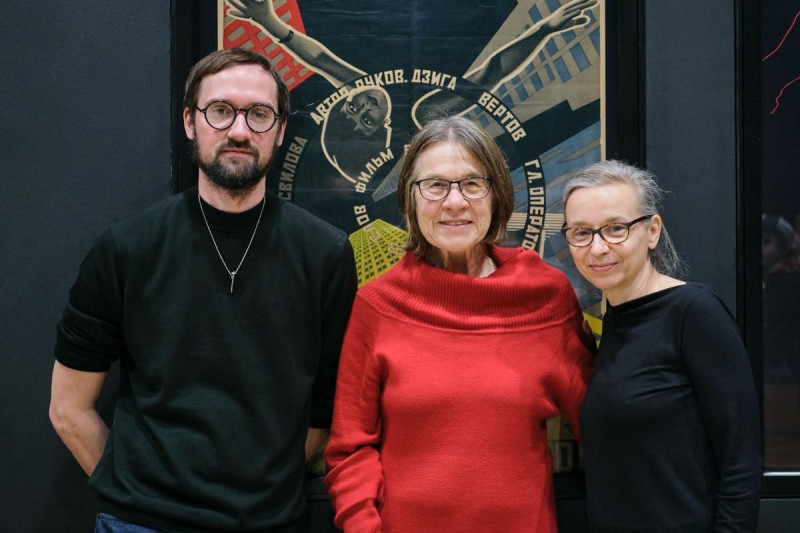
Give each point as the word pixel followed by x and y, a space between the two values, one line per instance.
pixel 690 80
pixel 85 139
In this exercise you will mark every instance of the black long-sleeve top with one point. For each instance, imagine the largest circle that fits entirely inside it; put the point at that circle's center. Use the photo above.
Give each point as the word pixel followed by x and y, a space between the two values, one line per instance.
pixel 217 388
pixel 670 421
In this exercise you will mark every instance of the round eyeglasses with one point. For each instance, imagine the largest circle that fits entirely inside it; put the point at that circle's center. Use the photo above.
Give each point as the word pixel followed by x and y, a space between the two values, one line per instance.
pixel 470 188
pixel 221 115
pixel 614 233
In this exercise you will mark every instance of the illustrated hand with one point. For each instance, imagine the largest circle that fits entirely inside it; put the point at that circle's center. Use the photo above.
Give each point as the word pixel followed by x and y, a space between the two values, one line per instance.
pixel 260 11
pixel 569 15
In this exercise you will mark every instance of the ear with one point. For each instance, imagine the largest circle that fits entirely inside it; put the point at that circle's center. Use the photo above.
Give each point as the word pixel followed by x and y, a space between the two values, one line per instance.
pixel 654 232
pixel 279 135
pixel 188 123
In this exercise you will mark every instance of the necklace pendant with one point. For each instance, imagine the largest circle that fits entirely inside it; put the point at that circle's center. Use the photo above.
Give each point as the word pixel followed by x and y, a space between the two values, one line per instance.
pixel 214 241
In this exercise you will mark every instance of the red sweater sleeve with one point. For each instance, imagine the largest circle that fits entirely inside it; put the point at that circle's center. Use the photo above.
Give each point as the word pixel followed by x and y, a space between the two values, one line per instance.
pixel 355 476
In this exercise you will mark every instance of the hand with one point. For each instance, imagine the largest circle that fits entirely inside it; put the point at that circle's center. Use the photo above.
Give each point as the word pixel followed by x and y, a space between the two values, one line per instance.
pixel 260 11
pixel 569 15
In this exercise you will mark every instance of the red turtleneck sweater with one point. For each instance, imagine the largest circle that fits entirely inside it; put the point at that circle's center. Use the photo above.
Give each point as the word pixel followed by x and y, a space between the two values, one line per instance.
pixel 445 384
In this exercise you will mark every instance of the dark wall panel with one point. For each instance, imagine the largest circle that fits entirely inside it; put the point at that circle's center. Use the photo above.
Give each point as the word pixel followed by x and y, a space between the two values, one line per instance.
pixel 85 140
pixel 691 131
pixel 779 516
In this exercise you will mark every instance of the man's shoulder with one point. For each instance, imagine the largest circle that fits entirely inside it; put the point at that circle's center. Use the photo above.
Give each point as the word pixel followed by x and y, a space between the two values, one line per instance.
pixel 155 214
pixel 157 210
pixel 149 227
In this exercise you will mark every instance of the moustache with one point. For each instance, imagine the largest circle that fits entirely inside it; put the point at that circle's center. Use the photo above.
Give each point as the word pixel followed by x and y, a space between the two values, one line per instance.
pixel 244 145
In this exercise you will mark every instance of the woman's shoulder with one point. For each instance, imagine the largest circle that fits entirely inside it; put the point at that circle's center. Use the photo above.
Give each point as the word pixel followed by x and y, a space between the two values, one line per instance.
pixel 695 291
pixel 698 301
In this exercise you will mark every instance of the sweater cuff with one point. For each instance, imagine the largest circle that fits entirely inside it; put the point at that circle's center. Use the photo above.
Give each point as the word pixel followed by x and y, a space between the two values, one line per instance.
pixel 360 518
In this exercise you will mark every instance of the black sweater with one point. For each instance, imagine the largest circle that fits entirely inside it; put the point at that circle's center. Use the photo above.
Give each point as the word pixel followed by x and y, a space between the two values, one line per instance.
pixel 670 421
pixel 217 390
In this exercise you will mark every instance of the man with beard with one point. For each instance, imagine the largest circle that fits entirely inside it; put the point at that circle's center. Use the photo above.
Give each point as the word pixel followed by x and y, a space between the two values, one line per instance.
pixel 225 308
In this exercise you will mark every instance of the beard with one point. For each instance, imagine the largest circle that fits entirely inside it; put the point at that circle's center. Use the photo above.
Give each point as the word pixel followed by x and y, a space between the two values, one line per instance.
pixel 237 177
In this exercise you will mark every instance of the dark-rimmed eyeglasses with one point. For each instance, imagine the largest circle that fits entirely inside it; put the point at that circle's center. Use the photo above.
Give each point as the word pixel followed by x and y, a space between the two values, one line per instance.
pixel 221 115
pixel 614 233
pixel 470 188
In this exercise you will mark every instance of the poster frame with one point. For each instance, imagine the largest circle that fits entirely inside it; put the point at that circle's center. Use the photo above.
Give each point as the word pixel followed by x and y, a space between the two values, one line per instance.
pixel 195 26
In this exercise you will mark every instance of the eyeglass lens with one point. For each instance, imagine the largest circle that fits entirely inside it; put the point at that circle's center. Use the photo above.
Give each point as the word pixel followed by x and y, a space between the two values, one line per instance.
pixel 438 189
pixel 222 115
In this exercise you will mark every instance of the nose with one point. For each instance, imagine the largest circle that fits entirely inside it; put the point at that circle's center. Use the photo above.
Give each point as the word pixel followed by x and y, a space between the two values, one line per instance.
pixel 598 244
pixel 356 118
pixel 454 198
pixel 239 129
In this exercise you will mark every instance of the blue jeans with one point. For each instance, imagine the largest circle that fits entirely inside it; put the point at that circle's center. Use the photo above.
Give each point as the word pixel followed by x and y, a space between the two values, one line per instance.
pixel 109 524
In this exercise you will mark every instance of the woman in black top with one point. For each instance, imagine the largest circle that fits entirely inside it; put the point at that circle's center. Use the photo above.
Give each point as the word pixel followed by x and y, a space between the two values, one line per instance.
pixel 670 421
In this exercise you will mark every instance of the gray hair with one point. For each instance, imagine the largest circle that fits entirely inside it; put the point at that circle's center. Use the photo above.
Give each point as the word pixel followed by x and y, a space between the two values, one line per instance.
pixel 663 257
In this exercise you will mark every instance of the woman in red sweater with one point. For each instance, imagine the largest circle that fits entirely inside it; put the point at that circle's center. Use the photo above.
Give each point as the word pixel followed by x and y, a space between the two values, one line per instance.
pixel 454 359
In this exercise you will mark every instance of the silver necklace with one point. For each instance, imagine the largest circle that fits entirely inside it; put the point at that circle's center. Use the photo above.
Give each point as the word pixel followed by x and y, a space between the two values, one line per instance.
pixel 231 273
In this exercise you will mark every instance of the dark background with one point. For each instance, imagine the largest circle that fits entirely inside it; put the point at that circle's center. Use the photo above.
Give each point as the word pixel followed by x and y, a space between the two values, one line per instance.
pixel 89 126
pixel 781 129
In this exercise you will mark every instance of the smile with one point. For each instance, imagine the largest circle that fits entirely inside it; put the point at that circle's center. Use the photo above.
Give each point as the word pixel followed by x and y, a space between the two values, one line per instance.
pixel 456 222
pixel 603 267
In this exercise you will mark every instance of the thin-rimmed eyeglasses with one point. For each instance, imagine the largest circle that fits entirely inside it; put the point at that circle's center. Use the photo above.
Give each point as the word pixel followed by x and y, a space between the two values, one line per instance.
pixel 437 189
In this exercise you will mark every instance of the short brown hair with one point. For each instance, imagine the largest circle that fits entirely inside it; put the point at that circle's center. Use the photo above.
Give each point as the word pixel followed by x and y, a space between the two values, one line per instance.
pixel 223 59
pixel 480 145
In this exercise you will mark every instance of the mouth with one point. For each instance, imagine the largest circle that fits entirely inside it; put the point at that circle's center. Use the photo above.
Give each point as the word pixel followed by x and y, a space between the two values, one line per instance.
pixel 455 222
pixel 605 267
pixel 237 151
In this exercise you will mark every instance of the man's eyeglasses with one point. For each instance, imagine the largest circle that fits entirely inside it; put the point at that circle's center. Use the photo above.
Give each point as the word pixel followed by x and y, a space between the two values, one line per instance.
pixel 221 115
pixel 470 188
pixel 614 233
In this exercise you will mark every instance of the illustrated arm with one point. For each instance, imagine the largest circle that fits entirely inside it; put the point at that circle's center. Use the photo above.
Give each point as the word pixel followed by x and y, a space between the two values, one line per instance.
pixel 355 474
pixel 305 49
pixel 505 62
pixel 719 370
pixel 73 396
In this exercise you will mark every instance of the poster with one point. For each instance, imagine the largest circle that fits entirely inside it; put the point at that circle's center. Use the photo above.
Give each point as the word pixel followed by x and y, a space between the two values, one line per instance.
pixel 366 74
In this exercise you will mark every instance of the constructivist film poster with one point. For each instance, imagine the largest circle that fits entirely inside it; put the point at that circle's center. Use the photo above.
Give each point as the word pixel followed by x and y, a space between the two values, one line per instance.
pixel 365 75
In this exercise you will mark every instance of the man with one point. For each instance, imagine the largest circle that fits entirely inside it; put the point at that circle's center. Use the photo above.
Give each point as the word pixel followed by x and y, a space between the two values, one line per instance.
pixel 225 308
